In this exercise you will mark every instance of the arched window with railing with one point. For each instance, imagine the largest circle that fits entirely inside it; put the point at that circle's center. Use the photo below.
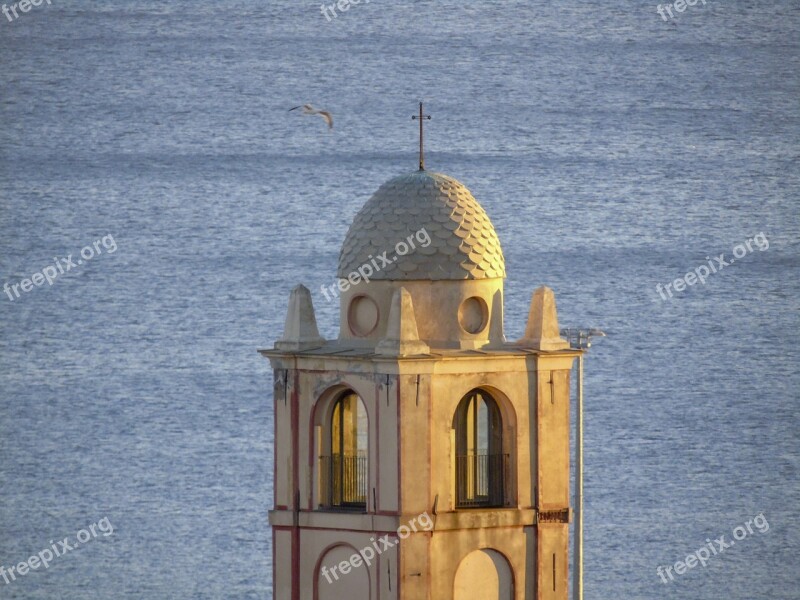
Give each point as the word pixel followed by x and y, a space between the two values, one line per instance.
pixel 481 465
pixel 344 467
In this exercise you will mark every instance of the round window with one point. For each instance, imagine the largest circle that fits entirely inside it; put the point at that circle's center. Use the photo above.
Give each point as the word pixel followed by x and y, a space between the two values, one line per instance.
pixel 362 316
pixel 473 315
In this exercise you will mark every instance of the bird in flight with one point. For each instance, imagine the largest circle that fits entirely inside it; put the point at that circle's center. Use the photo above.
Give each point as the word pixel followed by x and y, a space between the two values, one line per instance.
pixel 310 110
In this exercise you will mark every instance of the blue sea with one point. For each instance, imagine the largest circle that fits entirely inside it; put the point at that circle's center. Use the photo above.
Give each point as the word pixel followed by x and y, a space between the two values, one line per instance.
pixel 614 150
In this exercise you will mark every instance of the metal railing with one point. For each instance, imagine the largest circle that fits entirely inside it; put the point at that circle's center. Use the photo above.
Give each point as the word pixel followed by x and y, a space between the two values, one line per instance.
pixel 343 481
pixel 481 479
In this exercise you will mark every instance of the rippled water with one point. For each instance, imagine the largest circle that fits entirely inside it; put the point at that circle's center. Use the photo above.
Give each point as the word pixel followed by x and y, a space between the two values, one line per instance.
pixel 613 151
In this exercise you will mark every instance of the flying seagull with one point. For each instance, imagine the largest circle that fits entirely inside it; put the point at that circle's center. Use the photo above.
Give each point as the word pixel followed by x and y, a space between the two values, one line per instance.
pixel 310 110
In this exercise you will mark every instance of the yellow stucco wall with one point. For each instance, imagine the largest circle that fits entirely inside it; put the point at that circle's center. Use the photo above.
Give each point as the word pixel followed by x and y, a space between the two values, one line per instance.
pixel 411 422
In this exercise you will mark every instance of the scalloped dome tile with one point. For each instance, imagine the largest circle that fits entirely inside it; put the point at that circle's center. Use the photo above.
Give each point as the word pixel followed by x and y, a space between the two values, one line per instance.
pixel 464 244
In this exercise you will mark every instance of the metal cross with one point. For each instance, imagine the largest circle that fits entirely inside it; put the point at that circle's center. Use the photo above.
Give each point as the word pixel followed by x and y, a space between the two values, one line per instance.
pixel 421 118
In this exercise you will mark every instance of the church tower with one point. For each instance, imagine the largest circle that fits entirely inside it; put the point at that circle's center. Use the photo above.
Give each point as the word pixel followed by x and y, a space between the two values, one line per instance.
pixel 421 456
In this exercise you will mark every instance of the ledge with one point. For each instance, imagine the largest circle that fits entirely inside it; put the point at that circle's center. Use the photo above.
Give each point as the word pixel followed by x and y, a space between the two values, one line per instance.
pixel 468 518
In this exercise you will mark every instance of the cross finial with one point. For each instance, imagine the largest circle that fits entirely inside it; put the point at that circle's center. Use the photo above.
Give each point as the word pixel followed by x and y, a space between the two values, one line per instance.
pixel 421 118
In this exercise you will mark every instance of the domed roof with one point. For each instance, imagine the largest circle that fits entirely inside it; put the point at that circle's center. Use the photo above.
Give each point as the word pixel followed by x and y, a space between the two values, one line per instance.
pixel 463 243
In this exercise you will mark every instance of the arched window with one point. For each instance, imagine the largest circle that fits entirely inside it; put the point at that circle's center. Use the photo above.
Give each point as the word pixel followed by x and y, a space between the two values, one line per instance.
pixel 344 468
pixel 480 463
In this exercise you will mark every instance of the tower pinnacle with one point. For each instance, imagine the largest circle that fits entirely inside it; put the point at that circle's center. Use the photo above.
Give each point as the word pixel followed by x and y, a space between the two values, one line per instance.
pixel 421 118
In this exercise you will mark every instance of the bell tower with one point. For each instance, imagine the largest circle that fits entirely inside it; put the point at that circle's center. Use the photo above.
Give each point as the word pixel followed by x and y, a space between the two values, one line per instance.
pixel 421 455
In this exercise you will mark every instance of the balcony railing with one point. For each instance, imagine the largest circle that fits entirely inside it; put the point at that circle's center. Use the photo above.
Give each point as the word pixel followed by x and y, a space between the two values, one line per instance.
pixel 343 482
pixel 481 480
